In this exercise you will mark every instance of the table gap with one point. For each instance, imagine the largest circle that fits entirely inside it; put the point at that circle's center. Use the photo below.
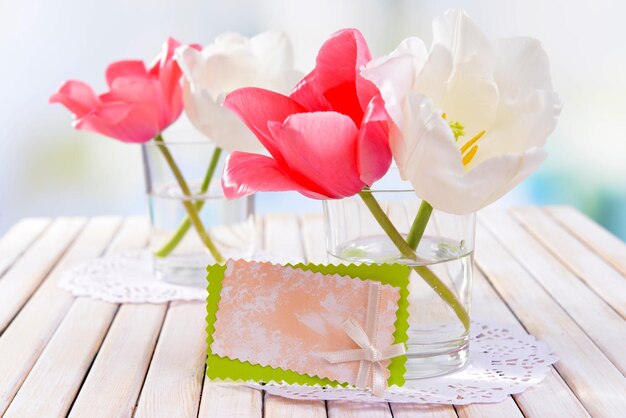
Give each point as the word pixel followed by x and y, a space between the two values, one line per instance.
pixel 503 299
pixel 62 255
pixel 563 262
pixel 547 291
pixel 26 248
pixel 156 343
pixel 93 359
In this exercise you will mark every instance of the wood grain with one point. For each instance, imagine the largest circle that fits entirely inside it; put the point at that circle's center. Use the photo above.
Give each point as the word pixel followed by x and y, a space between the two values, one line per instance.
pixel 72 348
pixel 534 403
pixel 279 407
pixel 345 409
pixel 174 382
pixel 19 283
pixel 408 410
pixel 505 409
pixel 115 379
pixel 607 245
pixel 24 340
pixel 18 238
pixel 221 399
pixel 597 383
pixel 537 264
pixel 594 315
pixel 607 282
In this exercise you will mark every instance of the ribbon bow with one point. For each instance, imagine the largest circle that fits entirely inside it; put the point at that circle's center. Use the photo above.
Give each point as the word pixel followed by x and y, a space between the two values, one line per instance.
pixel 371 370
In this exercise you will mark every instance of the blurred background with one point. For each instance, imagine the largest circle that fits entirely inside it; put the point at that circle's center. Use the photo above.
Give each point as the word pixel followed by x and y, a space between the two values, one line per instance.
pixel 47 168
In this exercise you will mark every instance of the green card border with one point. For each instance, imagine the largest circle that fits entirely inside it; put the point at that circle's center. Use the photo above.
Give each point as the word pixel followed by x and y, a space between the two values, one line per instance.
pixel 223 368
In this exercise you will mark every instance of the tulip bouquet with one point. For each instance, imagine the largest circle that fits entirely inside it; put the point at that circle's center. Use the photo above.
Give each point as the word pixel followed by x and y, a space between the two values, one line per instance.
pixel 464 122
pixel 142 102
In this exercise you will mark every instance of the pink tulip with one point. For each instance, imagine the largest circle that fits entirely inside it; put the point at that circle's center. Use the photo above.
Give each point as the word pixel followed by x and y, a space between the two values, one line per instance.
pixel 328 139
pixel 140 102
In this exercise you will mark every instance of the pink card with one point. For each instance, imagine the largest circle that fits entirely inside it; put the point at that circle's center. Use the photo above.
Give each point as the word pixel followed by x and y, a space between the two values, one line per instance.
pixel 288 318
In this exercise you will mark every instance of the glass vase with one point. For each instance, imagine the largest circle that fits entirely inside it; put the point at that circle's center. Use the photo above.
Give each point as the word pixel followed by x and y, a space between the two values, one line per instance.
pixel 179 251
pixel 438 336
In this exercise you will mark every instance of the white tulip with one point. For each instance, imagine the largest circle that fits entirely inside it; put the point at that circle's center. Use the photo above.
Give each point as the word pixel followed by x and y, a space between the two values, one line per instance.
pixel 231 62
pixel 471 115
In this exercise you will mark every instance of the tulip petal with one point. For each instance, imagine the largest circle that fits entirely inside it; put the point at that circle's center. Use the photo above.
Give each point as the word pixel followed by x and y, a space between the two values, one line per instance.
pixel 168 72
pixel 337 75
pixel 373 152
pixel 258 107
pixel 529 107
pixel 307 94
pixel 246 173
pixel 77 97
pixel 128 68
pixel 460 35
pixel 126 122
pixel 320 152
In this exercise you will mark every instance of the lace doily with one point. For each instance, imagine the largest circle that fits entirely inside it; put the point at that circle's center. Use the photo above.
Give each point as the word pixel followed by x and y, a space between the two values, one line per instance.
pixel 502 361
pixel 130 278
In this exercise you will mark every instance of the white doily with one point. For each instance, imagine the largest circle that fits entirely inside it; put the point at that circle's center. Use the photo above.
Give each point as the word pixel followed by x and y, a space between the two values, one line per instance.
pixel 502 361
pixel 130 278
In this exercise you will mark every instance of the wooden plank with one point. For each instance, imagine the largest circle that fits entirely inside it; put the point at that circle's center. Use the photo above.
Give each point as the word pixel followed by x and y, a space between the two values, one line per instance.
pixel 70 352
pixel 550 398
pixel 174 381
pixel 282 236
pixel 345 409
pixel 230 400
pixel 597 383
pixel 115 379
pixel 504 409
pixel 19 283
pixel 409 410
pixel 279 407
pixel 610 247
pixel 599 321
pixel 18 238
pixel 24 340
pixel 588 266
pixel 62 367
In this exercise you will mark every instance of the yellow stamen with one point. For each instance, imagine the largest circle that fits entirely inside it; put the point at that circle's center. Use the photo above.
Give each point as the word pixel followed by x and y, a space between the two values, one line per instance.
pixel 472 141
pixel 443 115
pixel 467 158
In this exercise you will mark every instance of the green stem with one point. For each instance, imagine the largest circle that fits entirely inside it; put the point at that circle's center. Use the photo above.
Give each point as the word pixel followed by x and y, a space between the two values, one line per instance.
pixel 429 277
pixel 419 224
pixel 192 213
pixel 184 226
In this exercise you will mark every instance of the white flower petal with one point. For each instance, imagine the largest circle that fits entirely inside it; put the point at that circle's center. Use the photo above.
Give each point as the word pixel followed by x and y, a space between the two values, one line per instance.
pixel 231 62
pixel 217 123
pixel 463 38
pixel 452 190
pixel 433 78
pixel 394 78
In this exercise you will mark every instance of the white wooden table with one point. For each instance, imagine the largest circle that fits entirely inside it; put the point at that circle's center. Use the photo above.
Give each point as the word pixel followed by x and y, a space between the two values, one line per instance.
pixel 552 271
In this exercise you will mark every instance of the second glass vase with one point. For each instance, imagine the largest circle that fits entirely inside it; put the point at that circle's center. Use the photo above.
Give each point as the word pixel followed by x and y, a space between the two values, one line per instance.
pixel 438 339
